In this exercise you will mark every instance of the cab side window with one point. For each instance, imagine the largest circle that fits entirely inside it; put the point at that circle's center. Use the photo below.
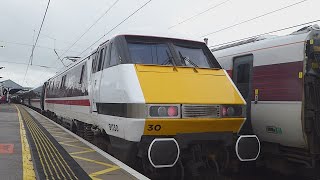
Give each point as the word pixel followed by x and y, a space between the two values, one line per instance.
pixel 114 56
pixel 101 59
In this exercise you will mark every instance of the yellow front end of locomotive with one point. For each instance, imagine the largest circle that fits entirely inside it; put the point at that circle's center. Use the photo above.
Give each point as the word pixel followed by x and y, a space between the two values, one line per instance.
pixel 191 86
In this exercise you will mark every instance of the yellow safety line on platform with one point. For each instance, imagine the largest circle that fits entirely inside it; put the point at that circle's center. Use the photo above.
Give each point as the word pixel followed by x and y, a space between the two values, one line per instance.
pixel 94 161
pixel 104 171
pixel 93 175
pixel 45 142
pixel 45 148
pixel 57 133
pixel 27 164
pixel 63 137
pixel 40 150
pixel 82 152
pixel 55 151
pixel 71 145
pixel 68 141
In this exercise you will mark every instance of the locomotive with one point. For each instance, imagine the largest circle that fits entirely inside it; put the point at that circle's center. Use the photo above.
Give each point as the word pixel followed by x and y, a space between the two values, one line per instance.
pixel 161 105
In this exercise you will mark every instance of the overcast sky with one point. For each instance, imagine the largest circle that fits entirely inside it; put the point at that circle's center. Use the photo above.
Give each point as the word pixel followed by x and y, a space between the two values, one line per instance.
pixel 67 20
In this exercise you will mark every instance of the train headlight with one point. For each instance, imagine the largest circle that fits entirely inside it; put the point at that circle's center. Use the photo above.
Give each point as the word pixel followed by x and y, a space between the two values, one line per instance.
pixel 230 111
pixel 164 111
pixel 233 111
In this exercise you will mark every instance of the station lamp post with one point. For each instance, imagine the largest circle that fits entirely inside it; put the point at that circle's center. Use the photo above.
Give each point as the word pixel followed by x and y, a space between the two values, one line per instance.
pixel 1 67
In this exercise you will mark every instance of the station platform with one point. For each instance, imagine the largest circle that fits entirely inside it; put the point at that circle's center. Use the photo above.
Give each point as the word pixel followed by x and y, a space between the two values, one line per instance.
pixel 34 147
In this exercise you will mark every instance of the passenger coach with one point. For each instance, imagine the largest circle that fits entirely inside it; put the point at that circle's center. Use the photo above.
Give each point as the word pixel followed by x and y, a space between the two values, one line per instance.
pixel 279 78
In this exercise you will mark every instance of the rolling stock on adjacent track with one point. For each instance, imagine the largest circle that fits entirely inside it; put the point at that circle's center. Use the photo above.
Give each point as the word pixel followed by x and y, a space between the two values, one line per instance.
pixel 279 76
pixel 158 104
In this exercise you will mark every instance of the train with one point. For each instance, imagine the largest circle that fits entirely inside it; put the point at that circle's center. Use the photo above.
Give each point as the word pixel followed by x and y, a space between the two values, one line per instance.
pixel 161 105
pixel 279 78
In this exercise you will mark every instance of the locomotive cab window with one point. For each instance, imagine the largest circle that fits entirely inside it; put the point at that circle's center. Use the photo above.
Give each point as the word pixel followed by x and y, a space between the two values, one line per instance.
pixel 169 52
pixel 192 56
pixel 147 53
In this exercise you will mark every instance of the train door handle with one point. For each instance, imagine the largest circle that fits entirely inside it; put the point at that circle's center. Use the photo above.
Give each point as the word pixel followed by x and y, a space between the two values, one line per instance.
pixel 256 96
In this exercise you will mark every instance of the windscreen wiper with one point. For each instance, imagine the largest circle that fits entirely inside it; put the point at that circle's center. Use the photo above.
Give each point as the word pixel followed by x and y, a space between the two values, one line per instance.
pixel 169 59
pixel 188 59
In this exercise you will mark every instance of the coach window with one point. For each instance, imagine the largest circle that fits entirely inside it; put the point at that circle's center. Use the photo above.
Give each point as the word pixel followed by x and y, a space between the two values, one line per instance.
pixel 81 75
pixel 243 73
pixel 94 63
pixel 63 82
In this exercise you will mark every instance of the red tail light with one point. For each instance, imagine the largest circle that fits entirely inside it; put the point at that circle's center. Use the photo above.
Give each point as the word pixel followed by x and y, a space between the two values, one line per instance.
pixel 164 111
pixel 224 111
pixel 172 111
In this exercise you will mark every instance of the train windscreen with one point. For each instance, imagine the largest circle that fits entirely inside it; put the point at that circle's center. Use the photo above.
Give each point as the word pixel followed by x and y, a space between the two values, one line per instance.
pixel 171 53
pixel 150 53
pixel 192 56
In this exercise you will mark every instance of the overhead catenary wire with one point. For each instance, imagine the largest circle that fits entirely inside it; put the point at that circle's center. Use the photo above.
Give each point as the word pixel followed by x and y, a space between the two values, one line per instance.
pixel 105 13
pixel 251 19
pixel 31 45
pixel 59 58
pixel 290 27
pixel 35 43
pixel 43 66
pixel 196 15
pixel 116 26
pixel 45 14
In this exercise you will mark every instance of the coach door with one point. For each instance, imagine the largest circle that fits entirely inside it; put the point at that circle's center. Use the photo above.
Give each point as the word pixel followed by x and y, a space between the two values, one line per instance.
pixel 97 66
pixel 242 77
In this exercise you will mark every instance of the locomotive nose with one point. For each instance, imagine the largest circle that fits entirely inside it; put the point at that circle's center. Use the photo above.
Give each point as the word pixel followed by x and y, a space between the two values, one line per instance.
pixel 248 147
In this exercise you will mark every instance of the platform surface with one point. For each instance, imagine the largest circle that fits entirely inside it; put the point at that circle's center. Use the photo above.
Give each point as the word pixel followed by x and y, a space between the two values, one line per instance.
pixel 10 143
pixel 34 147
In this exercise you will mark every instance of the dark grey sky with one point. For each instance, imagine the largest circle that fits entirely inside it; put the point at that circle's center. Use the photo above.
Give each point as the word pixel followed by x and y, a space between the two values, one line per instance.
pixel 67 19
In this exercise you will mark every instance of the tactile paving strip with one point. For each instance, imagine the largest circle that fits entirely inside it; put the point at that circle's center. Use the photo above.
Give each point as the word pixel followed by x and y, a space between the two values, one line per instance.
pixel 51 160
